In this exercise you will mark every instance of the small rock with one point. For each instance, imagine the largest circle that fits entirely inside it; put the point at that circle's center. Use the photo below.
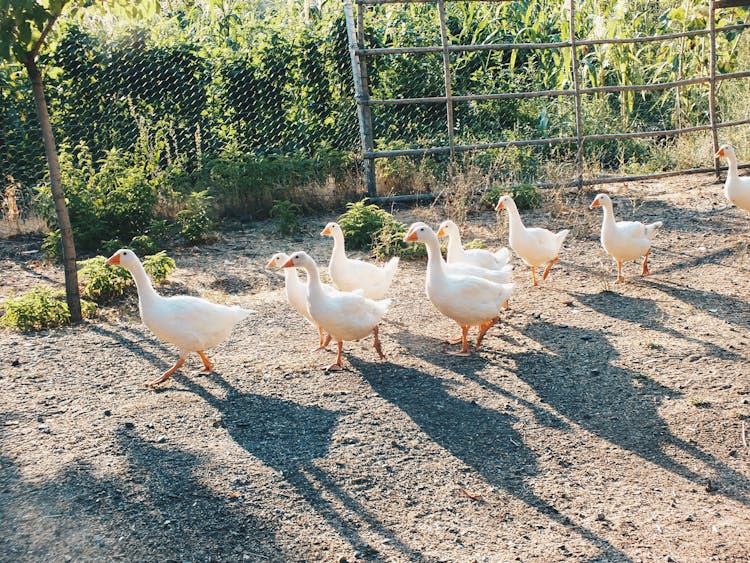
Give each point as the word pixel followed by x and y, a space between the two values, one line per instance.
pixel 15 363
pixel 600 517
pixel 108 413
pixel 129 425
pixel 161 439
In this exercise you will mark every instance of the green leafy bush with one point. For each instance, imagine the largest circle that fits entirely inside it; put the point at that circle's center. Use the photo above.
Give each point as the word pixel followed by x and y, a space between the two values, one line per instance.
pixel 390 242
pixel 196 223
pixel 287 215
pixel 143 245
pixel 40 308
pixel 159 266
pixel 362 223
pixel 526 196
pixel 52 246
pixel 103 283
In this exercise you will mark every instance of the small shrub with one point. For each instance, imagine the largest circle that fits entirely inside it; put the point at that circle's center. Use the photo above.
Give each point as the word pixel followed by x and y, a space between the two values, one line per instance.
pixel 143 245
pixel 109 247
pixel 159 266
pixel 476 243
pixel 361 224
pixel 40 308
pixel 196 223
pixel 390 242
pixel 286 214
pixel 526 196
pixel 102 282
pixel 52 246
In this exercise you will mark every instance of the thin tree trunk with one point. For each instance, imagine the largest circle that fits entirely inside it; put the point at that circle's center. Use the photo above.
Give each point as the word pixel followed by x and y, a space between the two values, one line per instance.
pixel 68 247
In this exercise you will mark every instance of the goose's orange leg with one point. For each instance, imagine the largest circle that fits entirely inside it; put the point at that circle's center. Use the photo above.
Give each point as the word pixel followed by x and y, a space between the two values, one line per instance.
pixel 483 328
pixel 324 340
pixel 464 351
pixel 549 267
pixel 208 365
pixel 620 277
pixel 376 343
pixel 338 365
pixel 645 263
pixel 533 276
pixel 166 375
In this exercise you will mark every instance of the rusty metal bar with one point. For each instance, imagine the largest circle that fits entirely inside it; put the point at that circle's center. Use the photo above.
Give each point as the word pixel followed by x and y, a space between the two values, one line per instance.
pixel 576 90
pixel 365 52
pixel 712 83
pixel 446 72
pixel 361 94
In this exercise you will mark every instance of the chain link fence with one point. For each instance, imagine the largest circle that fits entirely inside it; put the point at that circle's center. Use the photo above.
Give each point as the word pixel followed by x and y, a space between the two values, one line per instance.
pixel 242 100
pixel 187 97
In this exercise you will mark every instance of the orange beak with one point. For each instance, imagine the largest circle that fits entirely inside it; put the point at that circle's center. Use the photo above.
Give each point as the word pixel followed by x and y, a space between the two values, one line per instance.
pixel 114 260
pixel 594 203
pixel 411 236
pixel 326 231
pixel 288 264
pixel 441 233
pixel 499 206
pixel 270 263
pixel 720 153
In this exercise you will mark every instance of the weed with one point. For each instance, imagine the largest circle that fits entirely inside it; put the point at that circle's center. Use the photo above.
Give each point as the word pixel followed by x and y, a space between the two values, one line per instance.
pixel 40 308
pixel 196 222
pixel 102 282
pixel 159 266
pixel 390 242
pixel 699 403
pixel 362 223
pixel 287 215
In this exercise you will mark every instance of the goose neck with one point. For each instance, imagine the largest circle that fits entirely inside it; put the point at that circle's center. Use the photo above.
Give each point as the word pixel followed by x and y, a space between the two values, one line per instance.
pixel 434 257
pixel 146 291
pixel 454 246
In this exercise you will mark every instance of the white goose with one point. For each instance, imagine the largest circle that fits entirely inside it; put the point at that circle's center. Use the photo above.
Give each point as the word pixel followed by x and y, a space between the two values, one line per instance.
pixel 190 323
pixel 342 314
pixel 624 240
pixel 736 187
pixel 468 300
pixel 348 274
pixel 534 245
pixel 296 294
pixel 475 256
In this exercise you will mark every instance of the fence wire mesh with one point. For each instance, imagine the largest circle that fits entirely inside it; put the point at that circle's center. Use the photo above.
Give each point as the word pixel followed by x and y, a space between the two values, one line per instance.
pixel 200 89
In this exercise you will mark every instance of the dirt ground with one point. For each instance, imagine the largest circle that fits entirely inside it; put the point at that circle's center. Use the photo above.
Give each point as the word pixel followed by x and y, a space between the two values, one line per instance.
pixel 598 422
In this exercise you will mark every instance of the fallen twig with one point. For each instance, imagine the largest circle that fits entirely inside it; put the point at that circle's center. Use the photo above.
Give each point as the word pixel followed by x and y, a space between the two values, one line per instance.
pixel 472 496
pixel 744 436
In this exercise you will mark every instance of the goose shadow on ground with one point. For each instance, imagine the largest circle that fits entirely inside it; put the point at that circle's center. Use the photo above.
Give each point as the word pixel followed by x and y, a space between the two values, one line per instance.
pixel 605 400
pixel 434 351
pixel 159 509
pixel 646 313
pixel 289 437
pixel 483 438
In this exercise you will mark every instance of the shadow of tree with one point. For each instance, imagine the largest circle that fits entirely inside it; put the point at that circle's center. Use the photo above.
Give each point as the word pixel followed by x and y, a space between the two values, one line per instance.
pixel 159 510
pixel 647 313
pixel 607 402
pixel 482 438
pixel 289 437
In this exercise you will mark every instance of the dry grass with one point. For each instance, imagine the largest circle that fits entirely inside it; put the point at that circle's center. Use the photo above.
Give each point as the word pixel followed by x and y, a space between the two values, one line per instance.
pixel 12 222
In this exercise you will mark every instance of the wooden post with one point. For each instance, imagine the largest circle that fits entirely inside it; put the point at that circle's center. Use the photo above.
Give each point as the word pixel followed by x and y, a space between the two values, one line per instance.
pixel 577 90
pixel 447 75
pixel 362 95
pixel 712 83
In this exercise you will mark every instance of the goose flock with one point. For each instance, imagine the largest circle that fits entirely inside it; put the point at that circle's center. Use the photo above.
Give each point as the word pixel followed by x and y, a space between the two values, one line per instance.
pixel 470 286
